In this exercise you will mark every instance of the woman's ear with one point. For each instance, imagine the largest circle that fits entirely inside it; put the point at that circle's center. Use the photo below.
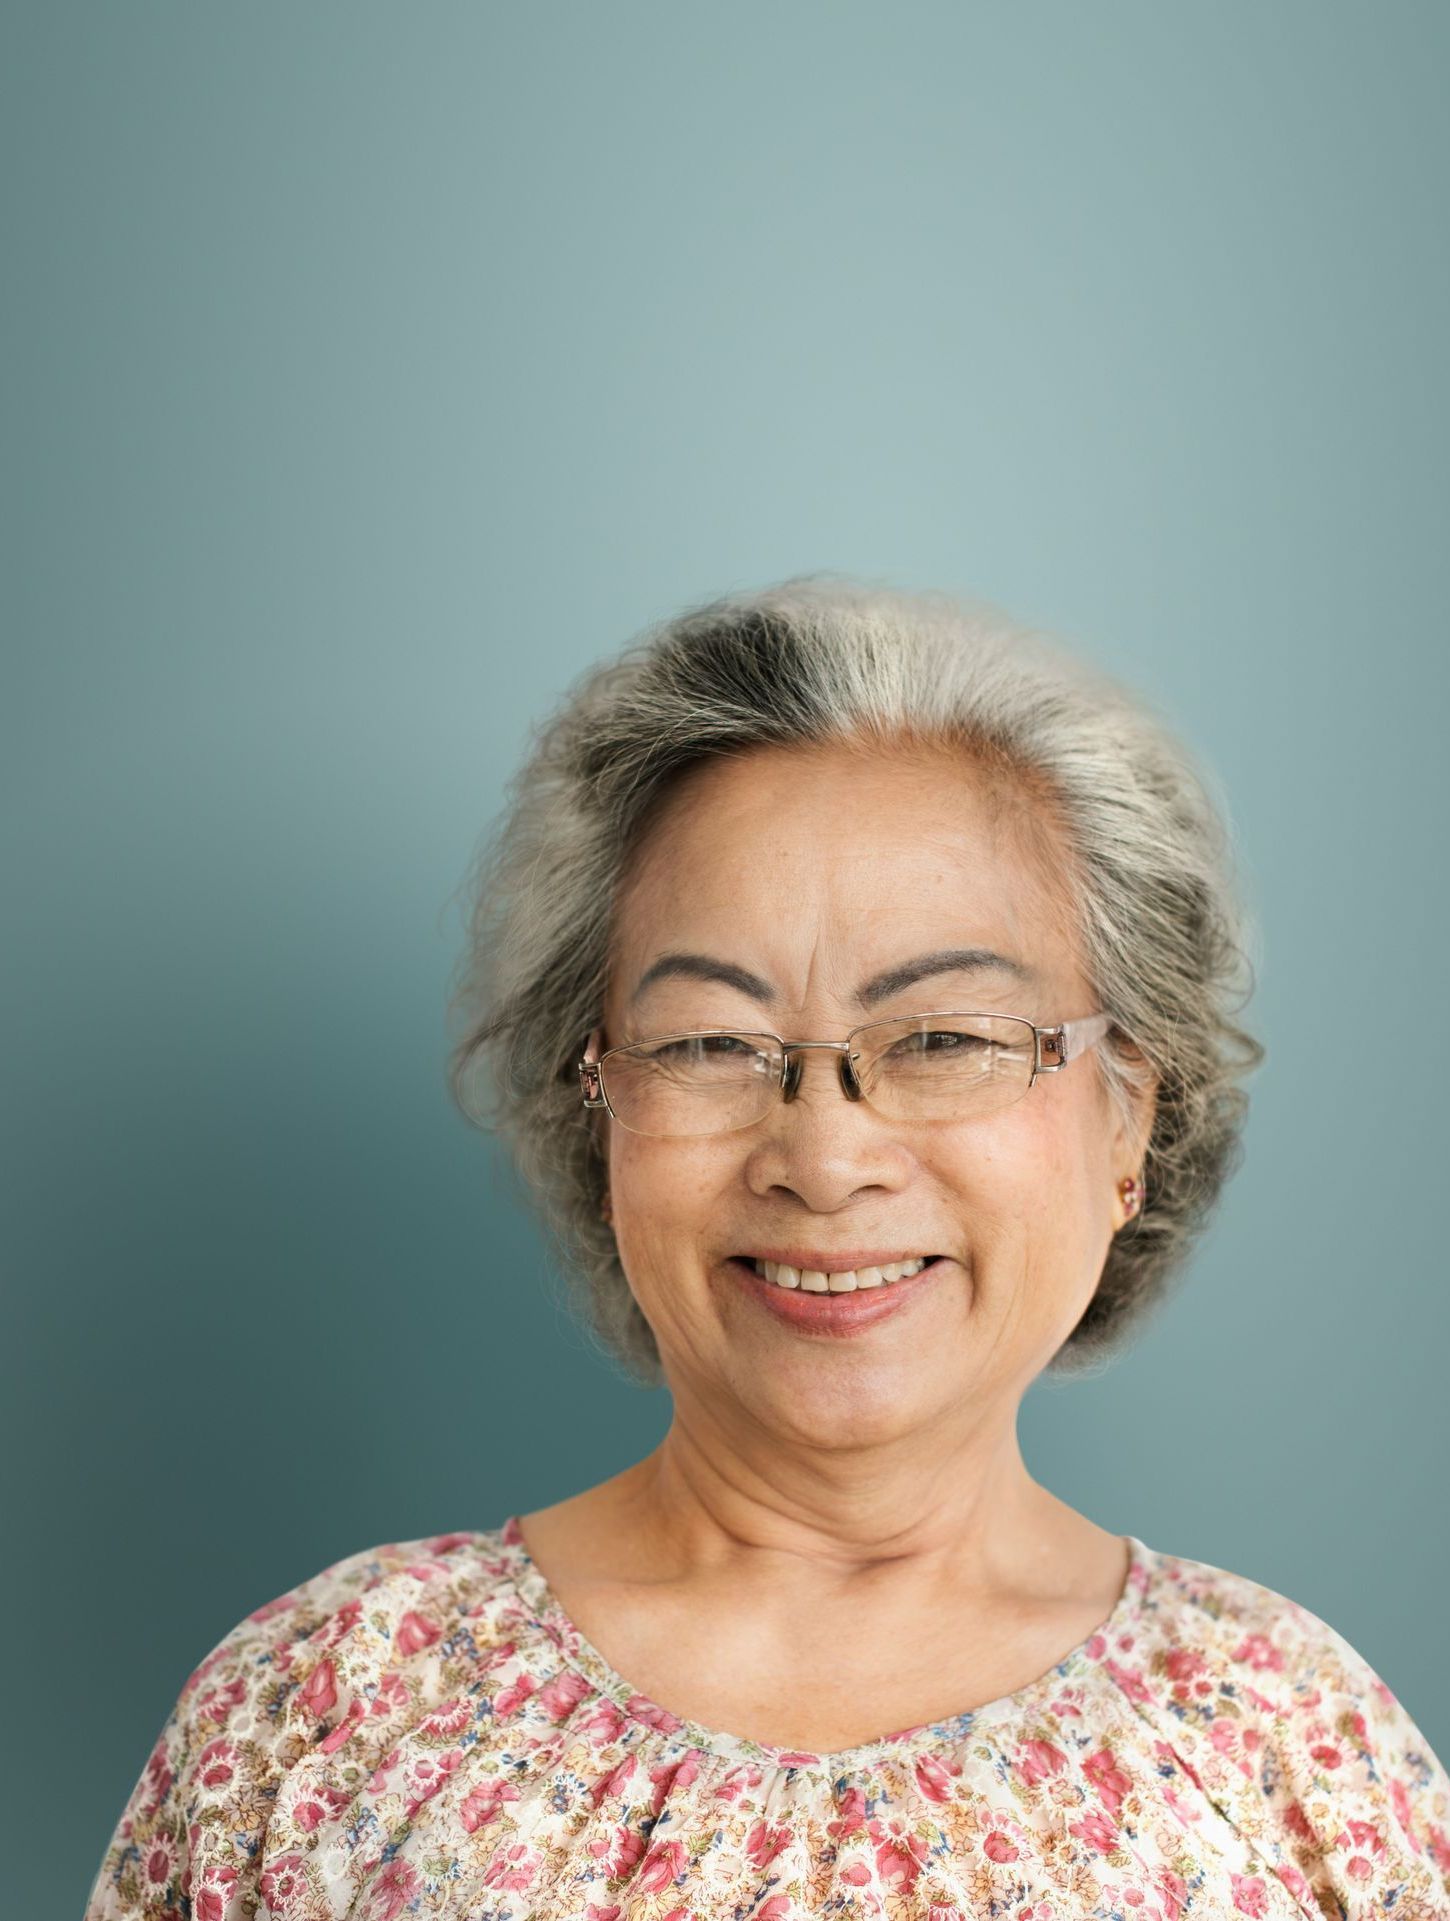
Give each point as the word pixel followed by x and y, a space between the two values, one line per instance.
pixel 1133 1132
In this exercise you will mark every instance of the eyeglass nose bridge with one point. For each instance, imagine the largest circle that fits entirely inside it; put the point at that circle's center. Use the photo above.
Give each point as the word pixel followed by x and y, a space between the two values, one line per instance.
pixel 790 1073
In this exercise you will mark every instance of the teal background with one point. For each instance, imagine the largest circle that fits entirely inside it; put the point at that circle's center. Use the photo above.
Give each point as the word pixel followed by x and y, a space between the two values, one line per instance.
pixel 370 370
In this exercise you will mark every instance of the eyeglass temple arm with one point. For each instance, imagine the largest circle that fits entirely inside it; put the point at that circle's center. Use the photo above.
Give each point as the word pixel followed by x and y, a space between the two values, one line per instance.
pixel 589 1079
pixel 1056 1046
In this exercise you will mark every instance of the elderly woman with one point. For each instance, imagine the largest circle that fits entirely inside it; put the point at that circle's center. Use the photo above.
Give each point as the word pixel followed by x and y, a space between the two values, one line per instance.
pixel 857 976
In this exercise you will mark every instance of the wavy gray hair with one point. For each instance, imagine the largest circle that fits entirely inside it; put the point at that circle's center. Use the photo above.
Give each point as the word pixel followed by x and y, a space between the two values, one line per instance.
pixel 824 657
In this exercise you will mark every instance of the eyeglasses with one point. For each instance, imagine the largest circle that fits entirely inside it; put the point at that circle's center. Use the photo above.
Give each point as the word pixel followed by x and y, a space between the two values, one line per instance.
pixel 925 1067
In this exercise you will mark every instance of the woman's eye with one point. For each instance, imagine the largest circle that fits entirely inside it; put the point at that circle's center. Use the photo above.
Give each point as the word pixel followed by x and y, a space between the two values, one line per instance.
pixel 703 1044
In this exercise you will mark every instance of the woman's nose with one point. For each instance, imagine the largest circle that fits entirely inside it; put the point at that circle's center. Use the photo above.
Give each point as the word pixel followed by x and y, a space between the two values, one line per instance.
pixel 822 1147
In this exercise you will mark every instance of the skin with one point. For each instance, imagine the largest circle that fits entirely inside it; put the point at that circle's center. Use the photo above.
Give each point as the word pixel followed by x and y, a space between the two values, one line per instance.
pixel 823 1505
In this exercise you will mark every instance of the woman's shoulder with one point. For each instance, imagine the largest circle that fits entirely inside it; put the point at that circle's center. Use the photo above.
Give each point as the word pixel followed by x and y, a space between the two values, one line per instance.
pixel 1289 1728
pixel 294 1676
pixel 324 1640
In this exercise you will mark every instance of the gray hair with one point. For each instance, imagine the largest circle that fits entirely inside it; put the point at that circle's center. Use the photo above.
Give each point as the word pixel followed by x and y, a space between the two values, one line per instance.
pixel 817 658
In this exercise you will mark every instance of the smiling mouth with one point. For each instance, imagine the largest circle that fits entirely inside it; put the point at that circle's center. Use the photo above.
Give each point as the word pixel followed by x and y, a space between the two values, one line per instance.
pixel 849 1281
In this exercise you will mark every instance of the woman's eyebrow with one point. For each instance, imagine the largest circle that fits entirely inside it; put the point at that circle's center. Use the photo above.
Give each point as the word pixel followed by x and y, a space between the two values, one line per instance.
pixel 680 964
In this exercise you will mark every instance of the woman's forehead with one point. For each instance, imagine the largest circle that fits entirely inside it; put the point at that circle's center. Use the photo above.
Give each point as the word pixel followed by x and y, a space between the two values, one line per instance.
pixel 843 885
pixel 841 836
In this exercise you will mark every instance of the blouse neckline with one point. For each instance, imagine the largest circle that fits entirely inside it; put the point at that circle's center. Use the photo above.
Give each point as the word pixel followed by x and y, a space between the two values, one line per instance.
pixel 529 1583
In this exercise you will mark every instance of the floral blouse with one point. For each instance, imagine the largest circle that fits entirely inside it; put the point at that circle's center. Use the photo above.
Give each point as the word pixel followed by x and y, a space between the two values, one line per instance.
pixel 420 1730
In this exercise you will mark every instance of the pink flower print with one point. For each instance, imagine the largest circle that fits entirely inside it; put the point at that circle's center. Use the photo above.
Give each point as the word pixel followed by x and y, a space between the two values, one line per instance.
pixel 1250 1895
pixel 318 1693
pixel 777 1908
pixel 1298 1824
pixel 423 1570
pixel 934 1778
pixel 740 1780
pixel 1259 1651
pixel 414 1633
pixel 618 1853
pixel 563 1694
pixel 378 1779
pixel 1108 1778
pixel 510 1699
pixel 483 1803
pixel 217 1704
pixel 513 1867
pixel 1295 1882
pixel 1097 1830
pixel 283 1884
pixel 1172 1892
pixel 613 1783
pixel 1039 1759
pixel 592 1912
pixel 212 1898
pixel 899 1853
pixel 339 1625
pixel 357 1711
pixel 851 1814
pixel 1130 1680
pixel 998 1847
pixel 1183 1664
pixel 444 1543
pixel 653 1715
pixel 159 1777
pixel 1177 1806
pixel 1359 1868
pixel 390 1891
pixel 447 1721
pixel 216 1763
pixel 854 1873
pixel 796 1758
pixel 1400 1802
pixel 672 1777
pixel 322 1804
pixel 764 1842
pixel 662 1866
pixel 427 1774
pixel 1326 1754
pixel 392 1693
pixel 605 1721
pixel 158 1860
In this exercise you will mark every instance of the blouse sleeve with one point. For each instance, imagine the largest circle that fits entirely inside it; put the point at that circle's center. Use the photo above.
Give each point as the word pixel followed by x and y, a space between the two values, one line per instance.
pixel 192 1822
pixel 1364 1800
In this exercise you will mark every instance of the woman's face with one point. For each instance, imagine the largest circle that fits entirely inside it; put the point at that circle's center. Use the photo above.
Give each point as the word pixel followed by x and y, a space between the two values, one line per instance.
pixel 814 870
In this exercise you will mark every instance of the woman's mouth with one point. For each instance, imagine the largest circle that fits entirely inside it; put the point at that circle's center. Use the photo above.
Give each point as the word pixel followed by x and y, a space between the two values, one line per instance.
pixel 840 1300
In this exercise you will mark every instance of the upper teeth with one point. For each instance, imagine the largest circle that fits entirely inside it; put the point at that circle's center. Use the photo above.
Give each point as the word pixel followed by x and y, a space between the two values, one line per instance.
pixel 815 1281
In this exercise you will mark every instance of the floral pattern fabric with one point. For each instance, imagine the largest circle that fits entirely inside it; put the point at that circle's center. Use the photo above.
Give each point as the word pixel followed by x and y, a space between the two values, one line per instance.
pixel 420 1730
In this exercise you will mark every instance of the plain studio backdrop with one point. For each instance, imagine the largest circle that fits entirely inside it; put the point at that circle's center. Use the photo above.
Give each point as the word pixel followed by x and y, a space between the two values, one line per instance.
pixel 368 371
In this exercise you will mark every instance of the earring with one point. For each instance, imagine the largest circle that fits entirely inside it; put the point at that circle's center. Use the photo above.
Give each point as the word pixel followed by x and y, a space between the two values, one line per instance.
pixel 1133 1194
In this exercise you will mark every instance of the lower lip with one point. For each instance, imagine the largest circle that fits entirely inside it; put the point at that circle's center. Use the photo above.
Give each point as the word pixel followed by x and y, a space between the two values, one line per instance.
pixel 835 1313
